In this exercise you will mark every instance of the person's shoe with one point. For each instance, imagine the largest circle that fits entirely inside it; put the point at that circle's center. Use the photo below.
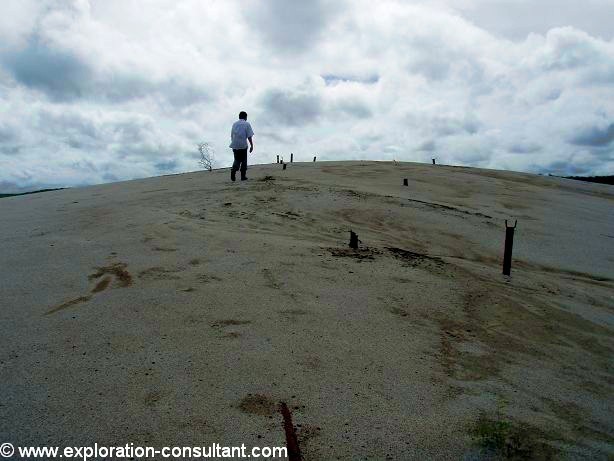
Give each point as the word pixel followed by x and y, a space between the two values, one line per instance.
pixel 244 178
pixel 233 175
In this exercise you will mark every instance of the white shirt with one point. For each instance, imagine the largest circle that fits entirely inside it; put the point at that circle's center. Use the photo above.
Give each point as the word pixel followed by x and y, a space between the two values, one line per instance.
pixel 241 130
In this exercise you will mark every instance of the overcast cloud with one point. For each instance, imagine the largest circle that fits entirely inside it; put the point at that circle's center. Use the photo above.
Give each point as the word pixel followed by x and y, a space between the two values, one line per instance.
pixel 105 90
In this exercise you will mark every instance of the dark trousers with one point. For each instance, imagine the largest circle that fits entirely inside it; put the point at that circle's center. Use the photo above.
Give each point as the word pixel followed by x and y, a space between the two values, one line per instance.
pixel 240 162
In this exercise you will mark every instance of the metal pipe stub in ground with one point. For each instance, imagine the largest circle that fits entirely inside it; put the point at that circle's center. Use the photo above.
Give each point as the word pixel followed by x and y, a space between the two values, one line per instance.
pixel 353 240
pixel 405 182
pixel 509 244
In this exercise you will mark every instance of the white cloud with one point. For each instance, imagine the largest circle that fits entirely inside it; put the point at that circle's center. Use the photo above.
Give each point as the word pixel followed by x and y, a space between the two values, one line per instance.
pixel 100 90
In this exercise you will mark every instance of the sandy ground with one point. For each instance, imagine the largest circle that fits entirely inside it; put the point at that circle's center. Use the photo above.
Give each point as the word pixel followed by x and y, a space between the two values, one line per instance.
pixel 182 310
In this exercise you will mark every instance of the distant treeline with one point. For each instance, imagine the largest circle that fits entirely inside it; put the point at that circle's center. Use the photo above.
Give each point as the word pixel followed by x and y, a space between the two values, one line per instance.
pixel 31 192
pixel 599 179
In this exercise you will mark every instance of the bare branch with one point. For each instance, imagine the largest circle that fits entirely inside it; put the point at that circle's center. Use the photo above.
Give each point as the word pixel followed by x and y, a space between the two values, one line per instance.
pixel 207 157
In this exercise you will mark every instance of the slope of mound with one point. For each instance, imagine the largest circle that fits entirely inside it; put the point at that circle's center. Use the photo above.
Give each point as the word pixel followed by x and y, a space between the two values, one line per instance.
pixel 182 310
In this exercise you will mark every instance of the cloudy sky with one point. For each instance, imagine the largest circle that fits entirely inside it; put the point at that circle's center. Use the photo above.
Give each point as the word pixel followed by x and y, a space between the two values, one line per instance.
pixel 96 91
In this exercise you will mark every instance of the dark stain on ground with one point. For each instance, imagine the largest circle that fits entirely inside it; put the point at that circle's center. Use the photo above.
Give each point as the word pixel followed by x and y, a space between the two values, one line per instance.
pixel 158 273
pixel 289 215
pixel 194 262
pixel 356 194
pixel 232 335
pixel 206 278
pixel 102 285
pixel 118 270
pixel 450 208
pixel 257 404
pixel 72 302
pixel 360 254
pixel 229 322
pixel 505 439
pixel 579 420
pixel 413 259
pixel 168 250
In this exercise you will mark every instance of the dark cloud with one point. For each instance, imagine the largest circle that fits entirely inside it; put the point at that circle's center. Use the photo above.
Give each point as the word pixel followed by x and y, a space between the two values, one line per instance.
pixel 63 76
pixel 60 74
pixel 290 26
pixel 167 166
pixel 525 148
pixel 595 136
pixel 7 133
pixel 289 108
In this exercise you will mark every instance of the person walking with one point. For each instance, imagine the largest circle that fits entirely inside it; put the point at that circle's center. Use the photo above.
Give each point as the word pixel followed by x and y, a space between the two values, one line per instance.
pixel 239 135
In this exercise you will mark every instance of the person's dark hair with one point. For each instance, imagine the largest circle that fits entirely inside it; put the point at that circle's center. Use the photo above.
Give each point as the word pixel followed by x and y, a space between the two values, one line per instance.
pixel 243 115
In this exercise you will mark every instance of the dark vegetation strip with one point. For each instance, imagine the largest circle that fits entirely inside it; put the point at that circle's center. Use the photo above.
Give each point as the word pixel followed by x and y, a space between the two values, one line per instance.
pixel 31 192
pixel 598 179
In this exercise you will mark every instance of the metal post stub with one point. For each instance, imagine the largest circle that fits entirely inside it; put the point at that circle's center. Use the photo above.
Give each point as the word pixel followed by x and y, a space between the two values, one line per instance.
pixel 509 244
pixel 405 182
pixel 353 240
